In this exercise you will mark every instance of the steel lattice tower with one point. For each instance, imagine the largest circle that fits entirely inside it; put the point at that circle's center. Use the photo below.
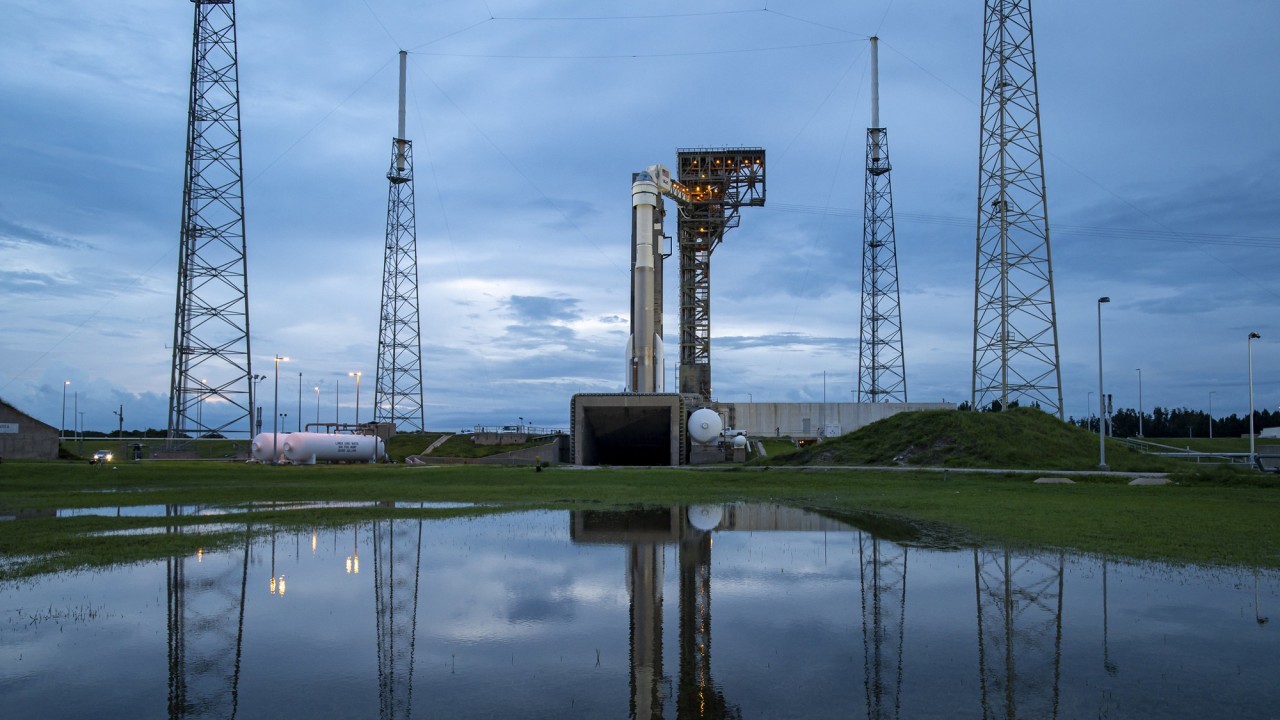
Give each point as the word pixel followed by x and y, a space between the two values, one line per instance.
pixel 398 397
pixel 211 360
pixel 1015 333
pixel 720 181
pixel 881 369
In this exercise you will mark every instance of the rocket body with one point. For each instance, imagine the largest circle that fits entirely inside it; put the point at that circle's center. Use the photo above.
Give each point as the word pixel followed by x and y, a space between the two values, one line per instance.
pixel 644 348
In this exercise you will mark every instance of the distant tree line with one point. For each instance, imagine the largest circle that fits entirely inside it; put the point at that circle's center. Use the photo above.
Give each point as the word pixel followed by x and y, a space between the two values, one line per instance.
pixel 1181 422
pixel 136 434
pixel 1166 423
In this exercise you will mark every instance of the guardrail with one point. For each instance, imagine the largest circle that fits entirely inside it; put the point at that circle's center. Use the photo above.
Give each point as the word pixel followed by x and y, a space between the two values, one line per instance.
pixel 1161 450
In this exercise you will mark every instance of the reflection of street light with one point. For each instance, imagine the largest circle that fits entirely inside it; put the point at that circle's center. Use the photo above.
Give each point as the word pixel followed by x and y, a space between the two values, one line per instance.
pixel 1257 612
pixel 275 420
pixel 1102 399
pixel 62 431
pixel 1252 336
pixel 356 375
pixel 353 560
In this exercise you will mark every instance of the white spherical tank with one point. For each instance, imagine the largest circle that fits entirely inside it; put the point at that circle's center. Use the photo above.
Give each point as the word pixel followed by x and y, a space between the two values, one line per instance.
pixel 740 441
pixel 305 448
pixel 705 426
pixel 705 517
pixel 263 446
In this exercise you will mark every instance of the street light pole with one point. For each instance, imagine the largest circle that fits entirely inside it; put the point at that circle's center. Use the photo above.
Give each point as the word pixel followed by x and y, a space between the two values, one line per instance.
pixel 298 424
pixel 317 405
pixel 275 415
pixel 1139 402
pixel 1088 406
pixel 1252 336
pixel 62 431
pixel 1211 392
pixel 356 375
pixel 1102 398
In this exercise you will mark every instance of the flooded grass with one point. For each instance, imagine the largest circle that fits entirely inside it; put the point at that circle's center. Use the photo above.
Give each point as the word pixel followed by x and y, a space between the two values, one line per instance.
pixel 1201 522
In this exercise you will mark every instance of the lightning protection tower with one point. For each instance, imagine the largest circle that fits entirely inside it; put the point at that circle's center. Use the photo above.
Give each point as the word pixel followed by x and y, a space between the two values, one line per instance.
pixel 720 182
pixel 210 389
pixel 1015 328
pixel 881 371
pixel 398 395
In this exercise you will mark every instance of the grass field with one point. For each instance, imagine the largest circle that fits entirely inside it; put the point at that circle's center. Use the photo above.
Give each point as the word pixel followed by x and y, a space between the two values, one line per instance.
pixel 1216 518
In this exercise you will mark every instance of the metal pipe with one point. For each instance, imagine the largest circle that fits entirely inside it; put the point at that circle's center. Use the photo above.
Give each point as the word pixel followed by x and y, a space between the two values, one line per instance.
pixel 400 139
pixel 875 82
pixel 875 100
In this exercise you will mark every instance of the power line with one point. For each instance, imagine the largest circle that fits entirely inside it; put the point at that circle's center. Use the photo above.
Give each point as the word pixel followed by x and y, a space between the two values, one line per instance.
pixel 616 56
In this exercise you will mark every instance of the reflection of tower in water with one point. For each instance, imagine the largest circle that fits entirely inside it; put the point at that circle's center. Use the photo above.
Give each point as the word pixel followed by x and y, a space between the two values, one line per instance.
pixel 1019 602
pixel 699 696
pixel 882 574
pixel 203 644
pixel 397 555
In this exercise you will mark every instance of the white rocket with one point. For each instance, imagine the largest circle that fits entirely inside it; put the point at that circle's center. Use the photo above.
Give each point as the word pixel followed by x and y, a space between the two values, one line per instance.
pixel 645 369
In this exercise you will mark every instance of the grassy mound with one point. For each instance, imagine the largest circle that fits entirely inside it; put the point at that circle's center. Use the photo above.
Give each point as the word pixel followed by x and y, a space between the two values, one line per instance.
pixel 1022 438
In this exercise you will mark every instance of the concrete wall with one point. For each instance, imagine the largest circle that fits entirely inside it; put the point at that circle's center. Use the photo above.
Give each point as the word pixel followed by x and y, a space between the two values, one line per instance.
pixel 808 419
pixel 24 437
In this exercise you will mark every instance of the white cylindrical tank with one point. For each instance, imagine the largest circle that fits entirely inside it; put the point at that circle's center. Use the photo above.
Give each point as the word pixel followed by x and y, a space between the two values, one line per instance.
pixel 740 441
pixel 705 426
pixel 305 448
pixel 262 446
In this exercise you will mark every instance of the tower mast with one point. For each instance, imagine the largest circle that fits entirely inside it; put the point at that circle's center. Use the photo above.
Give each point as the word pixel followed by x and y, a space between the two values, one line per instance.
pixel 209 388
pixel 398 394
pixel 1015 327
pixel 881 370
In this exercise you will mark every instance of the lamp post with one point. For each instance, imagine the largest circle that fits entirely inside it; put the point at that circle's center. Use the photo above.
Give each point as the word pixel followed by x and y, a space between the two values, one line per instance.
pixel 204 385
pixel 298 424
pixel 1139 402
pixel 1088 406
pixel 62 431
pixel 1211 392
pixel 1102 398
pixel 1252 336
pixel 275 415
pixel 317 405
pixel 356 375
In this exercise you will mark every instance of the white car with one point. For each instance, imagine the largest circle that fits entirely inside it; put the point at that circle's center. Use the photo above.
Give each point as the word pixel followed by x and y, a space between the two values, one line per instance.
pixel 102 456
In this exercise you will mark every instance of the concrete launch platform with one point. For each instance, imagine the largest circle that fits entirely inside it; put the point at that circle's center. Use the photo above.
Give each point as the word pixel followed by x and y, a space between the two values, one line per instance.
pixel 628 429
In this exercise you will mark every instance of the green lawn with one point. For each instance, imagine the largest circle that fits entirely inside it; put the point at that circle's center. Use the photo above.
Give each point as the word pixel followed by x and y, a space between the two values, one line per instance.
pixel 1221 518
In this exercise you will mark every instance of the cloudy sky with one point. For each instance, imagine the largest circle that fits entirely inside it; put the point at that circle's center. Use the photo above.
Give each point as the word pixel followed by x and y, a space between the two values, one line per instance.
pixel 528 119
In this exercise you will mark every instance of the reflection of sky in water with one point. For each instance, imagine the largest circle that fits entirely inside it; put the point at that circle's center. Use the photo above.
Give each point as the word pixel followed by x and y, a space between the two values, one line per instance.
pixel 515 619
